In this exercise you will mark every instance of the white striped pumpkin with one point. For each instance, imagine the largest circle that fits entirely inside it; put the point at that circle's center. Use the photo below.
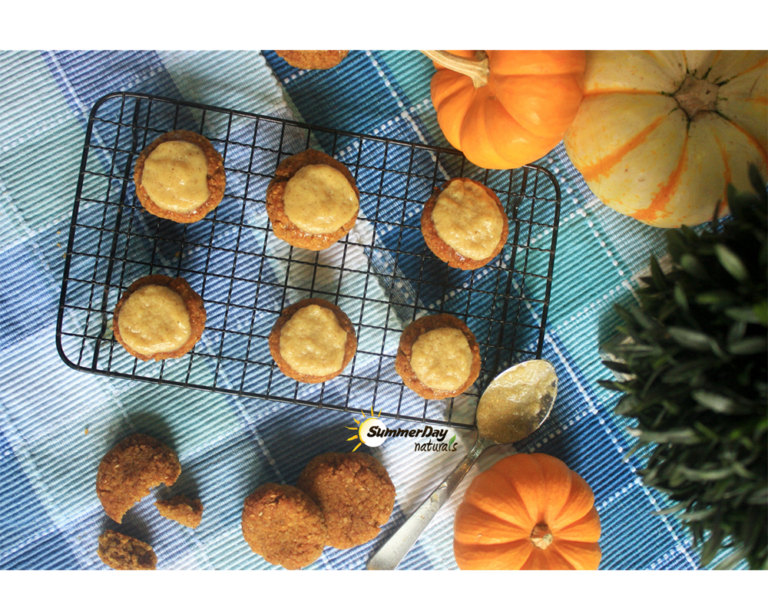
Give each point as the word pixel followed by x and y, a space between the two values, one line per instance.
pixel 660 134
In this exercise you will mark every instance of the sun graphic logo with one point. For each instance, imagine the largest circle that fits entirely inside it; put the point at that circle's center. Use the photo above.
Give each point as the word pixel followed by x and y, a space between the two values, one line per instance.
pixel 369 431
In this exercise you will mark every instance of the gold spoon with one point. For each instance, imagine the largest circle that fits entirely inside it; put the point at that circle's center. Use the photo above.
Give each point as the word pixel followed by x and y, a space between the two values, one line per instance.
pixel 514 405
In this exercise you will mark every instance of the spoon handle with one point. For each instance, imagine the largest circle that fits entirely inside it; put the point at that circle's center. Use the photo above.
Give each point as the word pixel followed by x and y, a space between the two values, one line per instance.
pixel 396 547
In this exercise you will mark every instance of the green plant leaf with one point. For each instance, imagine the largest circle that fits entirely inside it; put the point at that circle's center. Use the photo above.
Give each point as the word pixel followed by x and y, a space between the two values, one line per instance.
pixel 705 475
pixel 749 345
pixel 698 515
pixel 658 275
pixel 759 497
pixel 715 402
pixel 676 244
pixel 624 314
pixel 626 405
pixel 717 298
pixel 711 546
pixel 682 435
pixel 617 367
pixel 732 263
pixel 680 297
pixel 743 314
pixel 761 311
pixel 693 267
pixel 691 339
pixel 642 319
pixel 617 386
pixel 685 371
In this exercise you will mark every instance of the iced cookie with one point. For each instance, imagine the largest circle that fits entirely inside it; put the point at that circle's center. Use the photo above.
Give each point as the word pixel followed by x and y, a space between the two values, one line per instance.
pixel 159 317
pixel 312 341
pixel 180 177
pixel 464 224
pixel 312 201
pixel 438 357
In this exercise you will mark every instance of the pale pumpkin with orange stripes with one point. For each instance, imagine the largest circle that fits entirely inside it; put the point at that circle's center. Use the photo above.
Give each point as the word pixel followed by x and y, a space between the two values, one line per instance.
pixel 661 134
pixel 504 109
pixel 528 511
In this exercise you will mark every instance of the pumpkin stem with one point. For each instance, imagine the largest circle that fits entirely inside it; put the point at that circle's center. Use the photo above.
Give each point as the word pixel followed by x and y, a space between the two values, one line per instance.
pixel 476 69
pixel 696 95
pixel 541 537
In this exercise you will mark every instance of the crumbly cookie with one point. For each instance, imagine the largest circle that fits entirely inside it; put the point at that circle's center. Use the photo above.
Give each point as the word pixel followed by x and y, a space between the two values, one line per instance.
pixel 125 553
pixel 182 509
pixel 354 492
pixel 216 177
pixel 445 252
pixel 313 60
pixel 127 472
pixel 274 340
pixel 405 353
pixel 192 302
pixel 283 525
pixel 283 227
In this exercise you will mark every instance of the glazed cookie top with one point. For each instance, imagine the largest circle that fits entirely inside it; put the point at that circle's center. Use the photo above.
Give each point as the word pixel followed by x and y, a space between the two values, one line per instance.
pixel 176 176
pixel 180 176
pixel 468 219
pixel 319 199
pixel 312 342
pixel 442 359
pixel 436 362
pixel 155 319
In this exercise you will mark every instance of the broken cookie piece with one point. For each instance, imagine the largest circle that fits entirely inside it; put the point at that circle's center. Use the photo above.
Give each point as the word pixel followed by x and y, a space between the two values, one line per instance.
pixel 182 509
pixel 130 469
pixel 123 552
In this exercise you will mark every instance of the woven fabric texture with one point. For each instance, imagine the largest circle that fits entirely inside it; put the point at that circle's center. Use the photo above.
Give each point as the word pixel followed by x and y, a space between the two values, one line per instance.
pixel 57 423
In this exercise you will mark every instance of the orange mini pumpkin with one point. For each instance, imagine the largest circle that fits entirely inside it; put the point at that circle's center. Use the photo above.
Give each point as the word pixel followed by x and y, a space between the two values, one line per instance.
pixel 528 511
pixel 504 109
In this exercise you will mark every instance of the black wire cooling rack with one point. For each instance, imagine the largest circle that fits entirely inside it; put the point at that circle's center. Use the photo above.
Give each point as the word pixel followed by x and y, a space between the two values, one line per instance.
pixel 382 274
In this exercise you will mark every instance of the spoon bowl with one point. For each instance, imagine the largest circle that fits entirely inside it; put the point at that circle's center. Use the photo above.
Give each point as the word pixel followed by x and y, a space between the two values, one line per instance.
pixel 514 405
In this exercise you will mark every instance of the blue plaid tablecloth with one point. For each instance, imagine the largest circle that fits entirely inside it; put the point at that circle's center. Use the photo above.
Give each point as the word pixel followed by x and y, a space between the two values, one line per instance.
pixel 57 423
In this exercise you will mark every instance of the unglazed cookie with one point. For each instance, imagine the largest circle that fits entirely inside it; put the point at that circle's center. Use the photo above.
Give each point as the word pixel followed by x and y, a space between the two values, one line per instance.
pixel 159 317
pixel 464 224
pixel 180 177
pixel 354 492
pixel 284 526
pixel 127 472
pixel 312 341
pixel 313 60
pixel 122 552
pixel 312 201
pixel 438 357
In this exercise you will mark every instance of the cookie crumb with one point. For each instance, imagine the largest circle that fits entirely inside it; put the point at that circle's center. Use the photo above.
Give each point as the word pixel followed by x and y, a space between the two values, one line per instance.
pixel 122 552
pixel 182 509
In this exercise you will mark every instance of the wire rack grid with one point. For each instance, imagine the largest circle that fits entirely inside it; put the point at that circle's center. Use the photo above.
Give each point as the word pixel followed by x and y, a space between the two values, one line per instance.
pixel 382 274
